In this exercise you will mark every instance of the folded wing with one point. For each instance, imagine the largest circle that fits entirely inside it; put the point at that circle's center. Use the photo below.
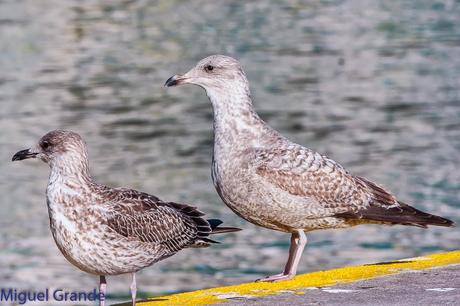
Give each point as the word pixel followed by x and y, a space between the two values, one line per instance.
pixel 140 216
pixel 305 173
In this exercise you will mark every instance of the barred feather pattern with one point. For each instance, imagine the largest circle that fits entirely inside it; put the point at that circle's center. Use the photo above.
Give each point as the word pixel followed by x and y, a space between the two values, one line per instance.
pixel 110 231
pixel 273 182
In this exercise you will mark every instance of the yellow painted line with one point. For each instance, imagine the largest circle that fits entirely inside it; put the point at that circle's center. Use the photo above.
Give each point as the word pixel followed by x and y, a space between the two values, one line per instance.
pixel 315 279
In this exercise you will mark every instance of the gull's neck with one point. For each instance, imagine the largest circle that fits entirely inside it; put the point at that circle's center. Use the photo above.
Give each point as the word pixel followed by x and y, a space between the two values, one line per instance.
pixel 69 174
pixel 69 183
pixel 237 126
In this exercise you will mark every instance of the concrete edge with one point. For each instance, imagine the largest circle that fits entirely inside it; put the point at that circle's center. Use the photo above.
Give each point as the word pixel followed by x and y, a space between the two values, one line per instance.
pixel 314 279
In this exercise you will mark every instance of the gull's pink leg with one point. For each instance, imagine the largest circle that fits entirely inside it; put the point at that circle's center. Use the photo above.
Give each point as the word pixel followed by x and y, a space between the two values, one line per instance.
pixel 133 289
pixel 298 242
pixel 293 262
pixel 102 287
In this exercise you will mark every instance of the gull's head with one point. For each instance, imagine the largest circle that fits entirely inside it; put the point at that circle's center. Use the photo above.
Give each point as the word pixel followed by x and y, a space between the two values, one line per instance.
pixel 58 145
pixel 213 73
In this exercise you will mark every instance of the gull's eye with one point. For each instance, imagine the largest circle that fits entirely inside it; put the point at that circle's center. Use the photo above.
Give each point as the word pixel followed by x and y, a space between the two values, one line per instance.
pixel 45 144
pixel 209 68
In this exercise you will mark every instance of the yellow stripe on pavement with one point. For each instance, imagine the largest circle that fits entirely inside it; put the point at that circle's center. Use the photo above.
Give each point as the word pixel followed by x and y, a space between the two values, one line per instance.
pixel 315 279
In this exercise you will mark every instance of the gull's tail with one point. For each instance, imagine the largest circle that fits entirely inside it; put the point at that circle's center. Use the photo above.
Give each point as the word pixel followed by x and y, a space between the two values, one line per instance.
pixel 203 241
pixel 215 229
pixel 384 208
pixel 204 227
pixel 403 214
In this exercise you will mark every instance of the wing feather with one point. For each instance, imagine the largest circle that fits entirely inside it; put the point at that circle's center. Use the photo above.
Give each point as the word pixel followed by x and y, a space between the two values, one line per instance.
pixel 305 173
pixel 137 215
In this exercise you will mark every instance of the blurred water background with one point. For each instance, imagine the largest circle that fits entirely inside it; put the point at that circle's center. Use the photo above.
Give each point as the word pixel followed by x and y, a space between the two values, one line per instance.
pixel 373 84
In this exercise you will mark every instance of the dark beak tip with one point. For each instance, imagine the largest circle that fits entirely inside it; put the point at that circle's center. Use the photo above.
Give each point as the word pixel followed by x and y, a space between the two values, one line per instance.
pixel 16 157
pixel 23 154
pixel 172 81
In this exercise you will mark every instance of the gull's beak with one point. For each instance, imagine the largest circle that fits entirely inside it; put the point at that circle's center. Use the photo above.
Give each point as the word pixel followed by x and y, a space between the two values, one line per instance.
pixel 176 80
pixel 172 81
pixel 24 154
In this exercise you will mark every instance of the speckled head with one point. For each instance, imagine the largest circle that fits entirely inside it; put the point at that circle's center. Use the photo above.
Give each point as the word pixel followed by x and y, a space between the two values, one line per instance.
pixel 55 145
pixel 213 73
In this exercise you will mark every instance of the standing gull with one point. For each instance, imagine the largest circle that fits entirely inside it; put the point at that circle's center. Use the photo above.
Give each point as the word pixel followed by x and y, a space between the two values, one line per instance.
pixel 275 183
pixel 111 231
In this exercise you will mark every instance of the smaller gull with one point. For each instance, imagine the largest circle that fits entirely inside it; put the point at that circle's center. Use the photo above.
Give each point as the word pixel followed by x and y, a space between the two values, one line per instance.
pixel 277 184
pixel 111 231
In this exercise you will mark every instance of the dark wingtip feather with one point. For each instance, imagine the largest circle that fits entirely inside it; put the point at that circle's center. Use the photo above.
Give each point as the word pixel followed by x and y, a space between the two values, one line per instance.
pixel 204 227
pixel 210 240
pixel 214 223
pixel 203 240
pixel 424 219
pixel 385 208
pixel 445 222
pixel 403 214
pixel 215 229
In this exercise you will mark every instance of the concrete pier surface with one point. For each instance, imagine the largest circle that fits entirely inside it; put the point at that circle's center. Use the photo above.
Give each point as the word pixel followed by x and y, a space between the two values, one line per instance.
pixel 425 280
pixel 436 286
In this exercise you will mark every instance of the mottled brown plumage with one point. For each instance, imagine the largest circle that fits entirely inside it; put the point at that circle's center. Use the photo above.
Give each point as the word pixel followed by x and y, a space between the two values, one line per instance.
pixel 110 231
pixel 272 182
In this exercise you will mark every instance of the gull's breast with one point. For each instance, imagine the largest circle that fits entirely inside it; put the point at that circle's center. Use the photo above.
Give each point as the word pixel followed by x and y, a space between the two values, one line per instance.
pixel 85 240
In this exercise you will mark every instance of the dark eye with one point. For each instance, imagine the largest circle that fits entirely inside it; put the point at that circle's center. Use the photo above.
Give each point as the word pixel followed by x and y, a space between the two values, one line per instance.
pixel 45 144
pixel 209 68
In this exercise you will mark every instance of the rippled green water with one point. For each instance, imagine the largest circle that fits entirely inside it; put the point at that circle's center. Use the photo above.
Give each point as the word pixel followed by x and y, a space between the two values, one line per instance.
pixel 375 85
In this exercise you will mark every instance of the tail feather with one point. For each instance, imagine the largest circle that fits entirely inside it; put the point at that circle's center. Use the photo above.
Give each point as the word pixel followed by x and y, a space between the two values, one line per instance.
pixel 215 229
pixel 421 218
pixel 204 227
pixel 385 208
pixel 203 240
pixel 403 214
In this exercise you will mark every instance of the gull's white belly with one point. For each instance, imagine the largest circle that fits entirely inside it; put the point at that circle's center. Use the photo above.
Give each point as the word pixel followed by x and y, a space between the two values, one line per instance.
pixel 96 249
